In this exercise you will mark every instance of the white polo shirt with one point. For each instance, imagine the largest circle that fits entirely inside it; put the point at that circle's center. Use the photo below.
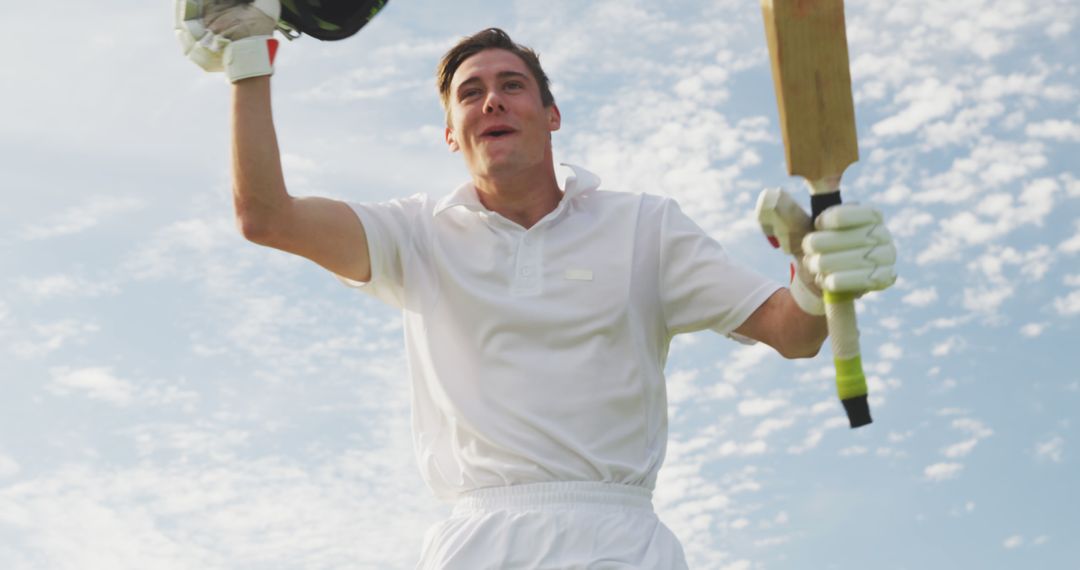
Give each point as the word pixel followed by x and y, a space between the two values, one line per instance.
pixel 538 355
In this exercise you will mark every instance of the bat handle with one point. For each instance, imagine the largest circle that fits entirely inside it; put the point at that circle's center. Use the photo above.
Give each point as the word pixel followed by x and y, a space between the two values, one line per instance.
pixel 844 338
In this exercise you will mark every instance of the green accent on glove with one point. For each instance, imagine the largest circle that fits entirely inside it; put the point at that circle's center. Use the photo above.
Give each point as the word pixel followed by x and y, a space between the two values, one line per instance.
pixel 850 379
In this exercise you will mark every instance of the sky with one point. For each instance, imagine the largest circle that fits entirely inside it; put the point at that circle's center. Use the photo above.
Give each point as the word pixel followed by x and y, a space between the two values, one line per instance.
pixel 176 397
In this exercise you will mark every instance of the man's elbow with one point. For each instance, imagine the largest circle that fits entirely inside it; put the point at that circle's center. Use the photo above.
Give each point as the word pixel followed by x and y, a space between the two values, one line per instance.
pixel 253 230
pixel 255 222
pixel 809 350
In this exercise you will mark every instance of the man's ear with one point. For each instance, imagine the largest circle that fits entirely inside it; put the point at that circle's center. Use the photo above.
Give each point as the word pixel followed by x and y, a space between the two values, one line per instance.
pixel 554 117
pixel 450 141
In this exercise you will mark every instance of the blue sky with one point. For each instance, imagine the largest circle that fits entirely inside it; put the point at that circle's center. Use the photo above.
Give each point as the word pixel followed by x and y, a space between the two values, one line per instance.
pixel 178 398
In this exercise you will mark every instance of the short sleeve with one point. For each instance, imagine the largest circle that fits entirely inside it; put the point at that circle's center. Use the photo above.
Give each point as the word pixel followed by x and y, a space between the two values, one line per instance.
pixel 390 229
pixel 701 287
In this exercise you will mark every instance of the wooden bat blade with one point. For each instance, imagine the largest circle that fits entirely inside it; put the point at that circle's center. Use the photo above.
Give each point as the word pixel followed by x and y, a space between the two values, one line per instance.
pixel 808 49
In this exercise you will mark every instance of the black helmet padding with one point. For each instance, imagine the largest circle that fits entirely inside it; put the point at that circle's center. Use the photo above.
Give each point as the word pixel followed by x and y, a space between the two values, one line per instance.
pixel 329 19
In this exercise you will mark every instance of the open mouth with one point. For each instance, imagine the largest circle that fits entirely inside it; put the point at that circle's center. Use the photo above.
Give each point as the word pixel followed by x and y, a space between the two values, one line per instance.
pixel 497 132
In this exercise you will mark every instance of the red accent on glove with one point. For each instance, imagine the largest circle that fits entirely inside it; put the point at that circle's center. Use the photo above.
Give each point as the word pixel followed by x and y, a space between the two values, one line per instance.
pixel 792 273
pixel 775 242
pixel 271 46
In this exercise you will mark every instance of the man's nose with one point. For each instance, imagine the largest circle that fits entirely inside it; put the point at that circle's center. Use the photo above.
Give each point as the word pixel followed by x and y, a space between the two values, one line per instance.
pixel 493 103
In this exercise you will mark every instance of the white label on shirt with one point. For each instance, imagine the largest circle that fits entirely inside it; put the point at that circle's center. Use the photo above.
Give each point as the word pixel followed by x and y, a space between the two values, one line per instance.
pixel 578 274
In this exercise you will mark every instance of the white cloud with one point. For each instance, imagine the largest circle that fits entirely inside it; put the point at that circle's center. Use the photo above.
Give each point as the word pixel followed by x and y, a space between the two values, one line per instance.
pixel 921 297
pixel 1068 305
pixel 986 299
pixel 1032 330
pixel 942 471
pixel 973 427
pixel 891 323
pixel 894 194
pixel 890 351
pixel 948 346
pixel 1058 28
pixel 681 387
pixel 80 218
pixel 992 163
pixel 1052 449
pixel 1072 244
pixel 1072 185
pixel 1059 130
pixel 173 516
pixel 1013 542
pixel 760 406
pixel 95 383
pixel 8 466
pixel 967 124
pixel 925 101
pixel 909 222
pixel 960 449
pixel 770 425
pixel 50 337
pixel 729 448
pixel 64 285
pixel 812 439
pixel 743 360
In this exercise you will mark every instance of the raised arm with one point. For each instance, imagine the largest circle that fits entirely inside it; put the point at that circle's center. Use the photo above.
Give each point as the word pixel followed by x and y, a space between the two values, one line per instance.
pixel 238 38
pixel 323 230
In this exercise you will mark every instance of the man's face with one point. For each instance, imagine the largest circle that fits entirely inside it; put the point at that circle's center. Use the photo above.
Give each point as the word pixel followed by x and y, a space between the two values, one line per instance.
pixel 496 117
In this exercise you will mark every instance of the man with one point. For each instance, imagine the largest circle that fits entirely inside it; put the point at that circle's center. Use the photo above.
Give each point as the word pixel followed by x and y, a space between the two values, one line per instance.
pixel 537 318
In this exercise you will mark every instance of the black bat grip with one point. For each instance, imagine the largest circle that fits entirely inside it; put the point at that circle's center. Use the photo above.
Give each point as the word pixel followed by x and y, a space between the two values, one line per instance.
pixel 821 202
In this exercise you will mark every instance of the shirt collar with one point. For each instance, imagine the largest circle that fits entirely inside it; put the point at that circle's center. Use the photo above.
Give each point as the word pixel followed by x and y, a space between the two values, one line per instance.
pixel 579 183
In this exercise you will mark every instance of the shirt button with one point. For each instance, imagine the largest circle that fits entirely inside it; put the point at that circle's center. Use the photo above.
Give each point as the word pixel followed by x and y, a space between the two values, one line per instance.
pixel 526 271
pixel 527 241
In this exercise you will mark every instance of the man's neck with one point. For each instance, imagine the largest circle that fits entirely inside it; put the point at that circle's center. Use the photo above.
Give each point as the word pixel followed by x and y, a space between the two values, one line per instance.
pixel 523 197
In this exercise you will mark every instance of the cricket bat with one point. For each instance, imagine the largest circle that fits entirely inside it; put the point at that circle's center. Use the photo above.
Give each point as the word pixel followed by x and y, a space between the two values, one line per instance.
pixel 808 50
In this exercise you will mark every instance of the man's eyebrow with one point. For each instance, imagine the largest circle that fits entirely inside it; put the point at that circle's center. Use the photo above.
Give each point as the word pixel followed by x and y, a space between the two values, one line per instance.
pixel 500 75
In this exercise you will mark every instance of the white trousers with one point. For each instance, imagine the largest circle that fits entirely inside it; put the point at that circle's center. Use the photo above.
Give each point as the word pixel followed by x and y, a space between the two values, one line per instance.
pixel 571 525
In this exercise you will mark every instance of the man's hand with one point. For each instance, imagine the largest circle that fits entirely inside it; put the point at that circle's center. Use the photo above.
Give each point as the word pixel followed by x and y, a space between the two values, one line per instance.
pixel 231 35
pixel 851 251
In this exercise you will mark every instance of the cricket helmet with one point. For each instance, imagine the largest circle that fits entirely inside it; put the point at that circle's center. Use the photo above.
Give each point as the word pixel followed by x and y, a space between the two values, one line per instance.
pixel 327 20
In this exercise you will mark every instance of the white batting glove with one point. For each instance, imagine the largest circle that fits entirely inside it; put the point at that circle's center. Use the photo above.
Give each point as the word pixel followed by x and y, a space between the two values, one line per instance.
pixel 852 251
pixel 230 35
pixel 785 223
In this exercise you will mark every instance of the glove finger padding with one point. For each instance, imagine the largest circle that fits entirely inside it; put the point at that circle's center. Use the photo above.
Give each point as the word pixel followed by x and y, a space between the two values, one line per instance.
pixel 861 258
pixel 858 280
pixel 843 216
pixel 236 19
pixel 826 241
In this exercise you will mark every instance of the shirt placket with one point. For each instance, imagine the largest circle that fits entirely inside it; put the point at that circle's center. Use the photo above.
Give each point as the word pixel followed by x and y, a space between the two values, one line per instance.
pixel 528 263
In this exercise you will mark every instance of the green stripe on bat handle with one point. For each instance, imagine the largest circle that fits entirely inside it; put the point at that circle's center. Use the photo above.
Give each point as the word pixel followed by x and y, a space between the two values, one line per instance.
pixel 850 378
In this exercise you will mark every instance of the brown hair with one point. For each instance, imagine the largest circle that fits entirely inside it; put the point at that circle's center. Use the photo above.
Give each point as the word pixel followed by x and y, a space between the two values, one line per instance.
pixel 491 38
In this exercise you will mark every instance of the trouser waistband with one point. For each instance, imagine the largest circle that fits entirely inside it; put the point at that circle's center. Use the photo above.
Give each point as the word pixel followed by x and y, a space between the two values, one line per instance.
pixel 558 494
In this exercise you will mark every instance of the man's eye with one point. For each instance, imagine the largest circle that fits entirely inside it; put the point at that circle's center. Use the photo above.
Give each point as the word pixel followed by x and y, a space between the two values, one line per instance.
pixel 469 93
pixel 515 85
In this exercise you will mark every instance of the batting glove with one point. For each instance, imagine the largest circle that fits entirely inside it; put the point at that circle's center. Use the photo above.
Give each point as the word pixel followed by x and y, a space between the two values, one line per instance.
pixel 231 35
pixel 852 251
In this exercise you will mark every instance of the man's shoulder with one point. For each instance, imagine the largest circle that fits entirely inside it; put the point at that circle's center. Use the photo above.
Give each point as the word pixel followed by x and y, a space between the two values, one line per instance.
pixel 646 203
